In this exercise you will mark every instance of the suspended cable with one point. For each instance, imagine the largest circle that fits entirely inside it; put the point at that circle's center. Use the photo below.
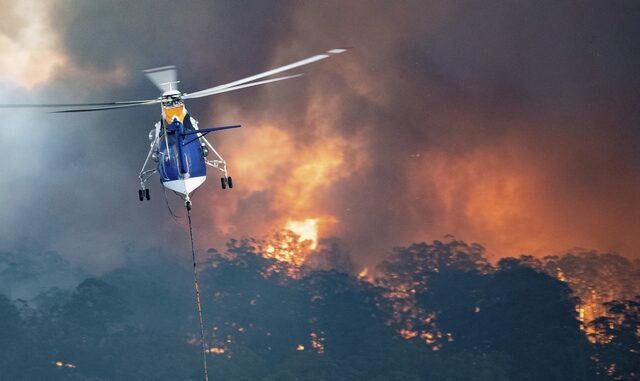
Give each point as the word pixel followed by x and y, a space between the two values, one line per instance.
pixel 197 290
pixel 166 201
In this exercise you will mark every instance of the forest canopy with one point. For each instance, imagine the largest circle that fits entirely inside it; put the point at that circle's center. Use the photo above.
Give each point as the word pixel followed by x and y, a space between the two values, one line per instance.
pixel 432 311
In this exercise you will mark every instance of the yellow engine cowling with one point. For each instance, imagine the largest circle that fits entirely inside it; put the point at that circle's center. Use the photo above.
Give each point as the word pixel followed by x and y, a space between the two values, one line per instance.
pixel 177 111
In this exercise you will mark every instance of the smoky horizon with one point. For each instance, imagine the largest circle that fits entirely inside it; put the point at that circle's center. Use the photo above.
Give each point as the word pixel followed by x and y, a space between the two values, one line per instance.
pixel 512 126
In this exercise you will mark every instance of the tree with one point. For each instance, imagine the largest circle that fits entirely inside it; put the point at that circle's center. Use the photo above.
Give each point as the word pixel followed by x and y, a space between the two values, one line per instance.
pixel 94 308
pixel 617 340
pixel 13 340
pixel 531 317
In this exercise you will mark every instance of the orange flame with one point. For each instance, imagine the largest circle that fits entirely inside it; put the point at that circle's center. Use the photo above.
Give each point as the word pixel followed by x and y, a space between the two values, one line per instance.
pixel 307 230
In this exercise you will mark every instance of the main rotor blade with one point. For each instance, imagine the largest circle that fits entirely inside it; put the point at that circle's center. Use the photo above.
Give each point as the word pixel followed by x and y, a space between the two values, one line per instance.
pixel 268 73
pixel 152 102
pixel 224 90
pixel 53 105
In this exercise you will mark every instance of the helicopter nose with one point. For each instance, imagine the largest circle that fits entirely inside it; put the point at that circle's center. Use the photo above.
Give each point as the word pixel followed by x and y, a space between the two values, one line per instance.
pixel 185 185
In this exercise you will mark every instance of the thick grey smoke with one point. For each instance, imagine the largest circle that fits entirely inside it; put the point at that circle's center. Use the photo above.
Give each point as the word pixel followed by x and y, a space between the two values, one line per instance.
pixel 511 124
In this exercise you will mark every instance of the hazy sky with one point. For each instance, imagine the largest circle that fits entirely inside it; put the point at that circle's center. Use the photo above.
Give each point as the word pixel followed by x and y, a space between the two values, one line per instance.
pixel 511 124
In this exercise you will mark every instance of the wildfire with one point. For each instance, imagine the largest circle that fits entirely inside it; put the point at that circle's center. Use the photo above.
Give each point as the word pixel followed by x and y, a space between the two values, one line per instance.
pixel 286 247
pixel 307 230
pixel 216 350
pixel 61 364
pixel 285 176
pixel 292 245
pixel 317 342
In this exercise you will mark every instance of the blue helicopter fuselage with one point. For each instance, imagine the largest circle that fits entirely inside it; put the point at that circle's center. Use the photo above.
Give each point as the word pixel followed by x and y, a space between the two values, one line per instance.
pixel 181 161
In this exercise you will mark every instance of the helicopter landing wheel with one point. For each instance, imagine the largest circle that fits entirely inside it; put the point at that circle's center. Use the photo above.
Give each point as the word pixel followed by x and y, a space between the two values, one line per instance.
pixel 226 182
pixel 140 195
pixel 146 194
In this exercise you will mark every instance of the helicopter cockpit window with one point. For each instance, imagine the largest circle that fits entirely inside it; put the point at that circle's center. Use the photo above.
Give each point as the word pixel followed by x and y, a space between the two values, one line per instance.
pixel 175 103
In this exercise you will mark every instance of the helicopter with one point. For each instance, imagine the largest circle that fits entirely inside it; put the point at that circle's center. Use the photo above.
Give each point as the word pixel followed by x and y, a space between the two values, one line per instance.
pixel 178 149
pixel 179 152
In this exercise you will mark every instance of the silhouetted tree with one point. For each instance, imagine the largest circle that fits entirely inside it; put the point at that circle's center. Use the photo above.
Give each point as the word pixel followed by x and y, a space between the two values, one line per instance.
pixel 531 317
pixel 618 340
pixel 13 341
pixel 437 312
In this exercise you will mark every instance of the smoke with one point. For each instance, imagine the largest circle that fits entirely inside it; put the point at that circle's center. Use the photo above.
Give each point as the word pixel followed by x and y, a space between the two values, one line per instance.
pixel 512 125
pixel 508 125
